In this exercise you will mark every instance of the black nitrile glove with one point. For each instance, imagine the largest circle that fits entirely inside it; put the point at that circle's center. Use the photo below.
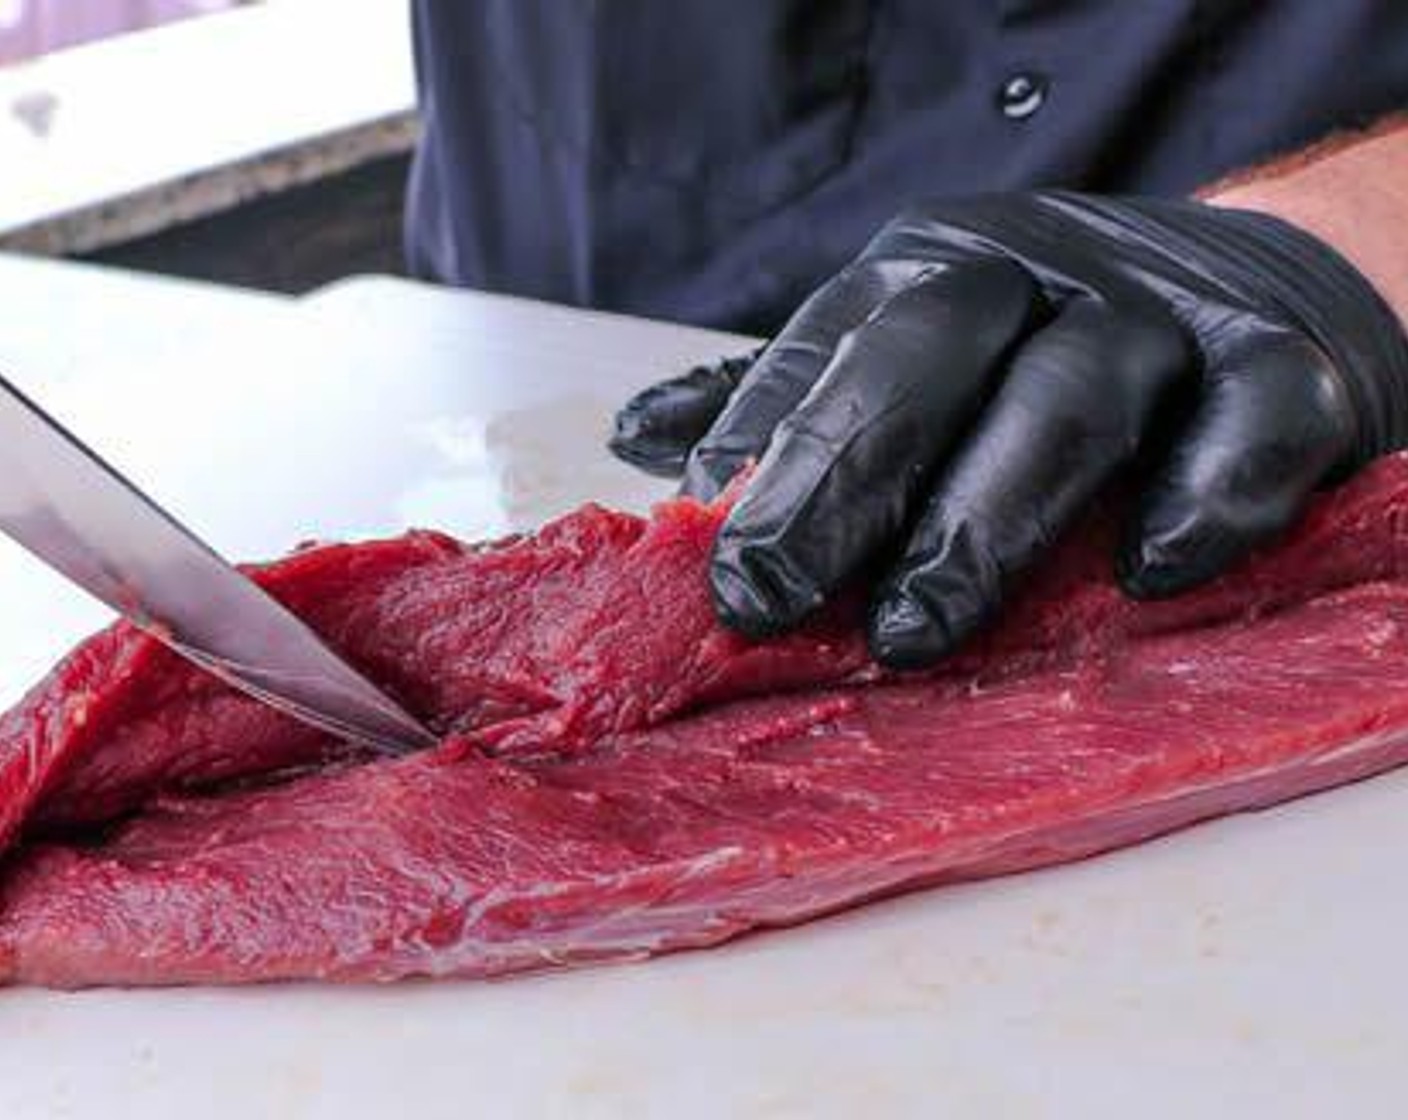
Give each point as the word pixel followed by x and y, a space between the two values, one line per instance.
pixel 656 430
pixel 951 401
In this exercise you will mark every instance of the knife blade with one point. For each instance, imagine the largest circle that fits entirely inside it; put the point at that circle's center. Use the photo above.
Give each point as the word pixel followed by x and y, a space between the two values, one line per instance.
pixel 63 503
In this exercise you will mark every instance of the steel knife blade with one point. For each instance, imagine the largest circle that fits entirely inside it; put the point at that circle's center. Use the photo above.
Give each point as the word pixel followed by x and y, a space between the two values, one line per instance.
pixel 67 506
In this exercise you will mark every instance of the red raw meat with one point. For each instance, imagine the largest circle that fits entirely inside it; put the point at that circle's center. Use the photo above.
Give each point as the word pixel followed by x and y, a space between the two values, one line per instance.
pixel 516 640
pixel 614 823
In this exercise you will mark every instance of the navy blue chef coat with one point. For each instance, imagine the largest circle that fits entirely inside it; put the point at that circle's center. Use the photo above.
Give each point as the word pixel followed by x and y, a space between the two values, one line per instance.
pixel 711 161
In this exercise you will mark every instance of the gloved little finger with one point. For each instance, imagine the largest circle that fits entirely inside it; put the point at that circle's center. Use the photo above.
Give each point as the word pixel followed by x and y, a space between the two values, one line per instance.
pixel 1273 420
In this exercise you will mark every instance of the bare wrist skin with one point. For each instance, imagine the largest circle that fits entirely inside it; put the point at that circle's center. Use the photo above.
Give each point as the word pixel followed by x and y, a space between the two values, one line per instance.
pixel 1351 192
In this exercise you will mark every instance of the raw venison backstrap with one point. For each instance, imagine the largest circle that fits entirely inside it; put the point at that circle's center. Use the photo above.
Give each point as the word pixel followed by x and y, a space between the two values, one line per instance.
pixel 621 776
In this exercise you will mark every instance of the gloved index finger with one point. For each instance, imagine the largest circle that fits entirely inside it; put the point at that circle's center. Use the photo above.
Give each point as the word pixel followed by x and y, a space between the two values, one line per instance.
pixel 786 370
pixel 845 466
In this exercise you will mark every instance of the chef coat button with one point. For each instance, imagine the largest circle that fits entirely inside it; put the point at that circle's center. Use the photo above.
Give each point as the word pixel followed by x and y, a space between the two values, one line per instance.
pixel 1022 95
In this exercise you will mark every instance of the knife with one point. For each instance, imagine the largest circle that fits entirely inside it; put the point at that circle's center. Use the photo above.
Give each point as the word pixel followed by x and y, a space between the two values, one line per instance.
pixel 63 503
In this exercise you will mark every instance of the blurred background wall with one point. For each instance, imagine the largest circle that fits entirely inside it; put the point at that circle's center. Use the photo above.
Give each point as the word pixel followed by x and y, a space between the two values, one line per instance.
pixel 35 27
pixel 249 147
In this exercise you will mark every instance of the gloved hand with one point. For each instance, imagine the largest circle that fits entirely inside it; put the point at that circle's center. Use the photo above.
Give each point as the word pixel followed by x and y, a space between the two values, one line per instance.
pixel 942 409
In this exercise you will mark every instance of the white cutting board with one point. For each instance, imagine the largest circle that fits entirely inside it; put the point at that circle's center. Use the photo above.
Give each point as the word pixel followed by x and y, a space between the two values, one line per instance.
pixel 1252 967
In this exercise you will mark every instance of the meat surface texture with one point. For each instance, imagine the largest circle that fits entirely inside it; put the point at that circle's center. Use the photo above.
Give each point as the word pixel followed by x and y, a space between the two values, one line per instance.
pixel 620 777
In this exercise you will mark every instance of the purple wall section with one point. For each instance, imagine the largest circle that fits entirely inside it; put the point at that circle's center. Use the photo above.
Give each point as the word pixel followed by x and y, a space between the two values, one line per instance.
pixel 33 27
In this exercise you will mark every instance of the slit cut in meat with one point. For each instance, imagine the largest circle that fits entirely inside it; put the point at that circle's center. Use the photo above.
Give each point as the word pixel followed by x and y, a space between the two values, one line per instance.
pixel 619 776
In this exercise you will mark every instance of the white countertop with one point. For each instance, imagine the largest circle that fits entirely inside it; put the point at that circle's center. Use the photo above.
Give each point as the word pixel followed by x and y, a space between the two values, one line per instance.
pixel 113 140
pixel 1247 968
